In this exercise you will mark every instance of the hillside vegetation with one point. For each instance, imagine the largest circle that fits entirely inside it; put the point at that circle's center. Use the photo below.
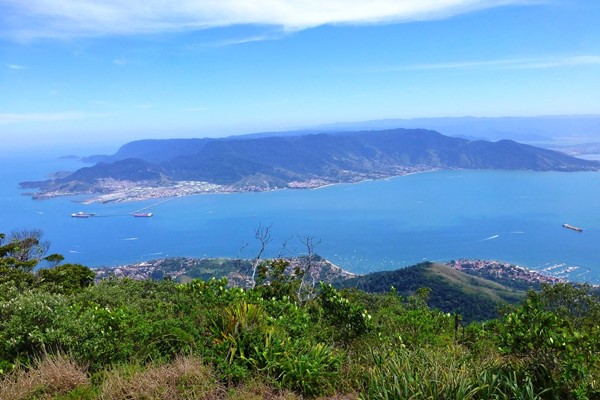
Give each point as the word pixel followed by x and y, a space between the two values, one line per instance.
pixel 62 336
pixel 454 291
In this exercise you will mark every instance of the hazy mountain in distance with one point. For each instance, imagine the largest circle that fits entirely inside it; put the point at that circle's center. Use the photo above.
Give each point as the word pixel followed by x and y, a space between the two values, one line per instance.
pixel 543 131
pixel 552 132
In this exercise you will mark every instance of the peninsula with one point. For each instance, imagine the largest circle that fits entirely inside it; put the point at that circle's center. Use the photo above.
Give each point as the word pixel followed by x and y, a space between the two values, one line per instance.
pixel 177 167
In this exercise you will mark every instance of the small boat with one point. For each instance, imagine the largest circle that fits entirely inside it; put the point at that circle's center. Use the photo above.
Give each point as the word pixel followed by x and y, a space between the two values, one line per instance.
pixel 82 214
pixel 142 215
pixel 572 227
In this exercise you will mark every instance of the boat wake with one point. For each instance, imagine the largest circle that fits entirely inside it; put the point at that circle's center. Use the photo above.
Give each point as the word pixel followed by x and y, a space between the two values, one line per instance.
pixel 490 238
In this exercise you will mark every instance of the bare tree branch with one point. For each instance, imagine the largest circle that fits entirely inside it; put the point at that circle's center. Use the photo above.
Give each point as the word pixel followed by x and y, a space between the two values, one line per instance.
pixel 310 243
pixel 263 235
pixel 284 249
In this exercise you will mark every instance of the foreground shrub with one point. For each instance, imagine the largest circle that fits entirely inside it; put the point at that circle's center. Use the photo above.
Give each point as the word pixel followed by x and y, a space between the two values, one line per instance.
pixel 348 319
pixel 30 324
pixel 426 373
pixel 311 369
pixel 551 350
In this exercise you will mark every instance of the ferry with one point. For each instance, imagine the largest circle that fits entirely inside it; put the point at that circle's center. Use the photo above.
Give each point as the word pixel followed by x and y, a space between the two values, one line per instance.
pixel 572 227
pixel 82 214
pixel 142 215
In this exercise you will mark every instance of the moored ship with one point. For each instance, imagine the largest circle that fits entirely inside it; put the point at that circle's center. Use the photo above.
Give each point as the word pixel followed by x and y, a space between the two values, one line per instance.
pixel 82 214
pixel 142 215
pixel 565 225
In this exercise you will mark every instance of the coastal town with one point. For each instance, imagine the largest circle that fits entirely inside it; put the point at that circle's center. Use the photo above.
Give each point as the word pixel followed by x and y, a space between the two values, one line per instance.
pixel 110 190
pixel 236 270
pixel 499 271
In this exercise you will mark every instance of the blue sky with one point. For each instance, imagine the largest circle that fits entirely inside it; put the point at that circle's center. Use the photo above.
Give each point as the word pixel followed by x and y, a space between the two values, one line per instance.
pixel 110 71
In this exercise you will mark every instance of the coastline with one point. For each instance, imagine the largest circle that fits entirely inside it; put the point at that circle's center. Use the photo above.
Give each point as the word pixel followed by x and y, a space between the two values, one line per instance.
pixel 235 269
pixel 110 190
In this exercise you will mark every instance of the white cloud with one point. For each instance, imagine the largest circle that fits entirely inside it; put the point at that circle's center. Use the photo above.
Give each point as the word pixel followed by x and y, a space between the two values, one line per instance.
pixel 39 18
pixel 15 66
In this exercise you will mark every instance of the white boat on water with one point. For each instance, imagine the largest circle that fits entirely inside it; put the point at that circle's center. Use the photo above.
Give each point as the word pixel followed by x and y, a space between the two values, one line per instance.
pixel 142 215
pixel 82 214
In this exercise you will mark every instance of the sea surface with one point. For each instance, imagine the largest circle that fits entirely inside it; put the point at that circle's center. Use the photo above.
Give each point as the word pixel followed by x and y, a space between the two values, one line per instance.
pixel 513 216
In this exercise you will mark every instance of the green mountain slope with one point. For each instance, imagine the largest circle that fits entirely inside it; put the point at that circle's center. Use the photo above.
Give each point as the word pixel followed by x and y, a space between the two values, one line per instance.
pixel 473 297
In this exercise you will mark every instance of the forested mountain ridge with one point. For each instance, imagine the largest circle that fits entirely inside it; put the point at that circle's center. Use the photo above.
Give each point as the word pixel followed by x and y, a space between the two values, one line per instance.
pixel 308 160
pixel 452 290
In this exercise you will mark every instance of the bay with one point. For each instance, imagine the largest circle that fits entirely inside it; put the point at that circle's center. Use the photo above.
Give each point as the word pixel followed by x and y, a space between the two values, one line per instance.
pixel 513 216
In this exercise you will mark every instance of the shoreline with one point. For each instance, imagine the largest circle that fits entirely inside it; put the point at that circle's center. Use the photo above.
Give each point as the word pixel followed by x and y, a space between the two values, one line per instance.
pixel 110 190
pixel 236 270
pixel 492 270
pixel 117 191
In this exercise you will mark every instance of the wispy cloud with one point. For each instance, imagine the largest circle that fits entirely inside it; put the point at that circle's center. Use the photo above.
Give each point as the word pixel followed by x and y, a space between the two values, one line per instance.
pixel 15 67
pixel 56 18
pixel 558 62
pixel 15 118
pixel 244 40
pixel 514 63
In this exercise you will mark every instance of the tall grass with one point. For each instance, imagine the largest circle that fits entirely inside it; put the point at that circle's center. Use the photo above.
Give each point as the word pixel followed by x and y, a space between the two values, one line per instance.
pixel 57 377
pixel 184 378
pixel 47 378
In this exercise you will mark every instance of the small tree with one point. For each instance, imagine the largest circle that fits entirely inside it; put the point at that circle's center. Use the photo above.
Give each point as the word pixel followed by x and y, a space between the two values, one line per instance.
pixel 67 278
pixel 29 245
pixel 15 267
pixel 54 259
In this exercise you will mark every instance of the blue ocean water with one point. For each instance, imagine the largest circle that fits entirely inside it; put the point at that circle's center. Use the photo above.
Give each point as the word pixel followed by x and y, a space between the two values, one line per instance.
pixel 514 216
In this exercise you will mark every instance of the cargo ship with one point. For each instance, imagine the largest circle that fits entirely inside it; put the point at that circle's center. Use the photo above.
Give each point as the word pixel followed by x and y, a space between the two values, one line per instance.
pixel 142 215
pixel 82 214
pixel 572 227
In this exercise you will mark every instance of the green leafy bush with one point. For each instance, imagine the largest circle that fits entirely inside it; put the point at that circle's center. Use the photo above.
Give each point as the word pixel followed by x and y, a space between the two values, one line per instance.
pixel 551 350
pixel 348 319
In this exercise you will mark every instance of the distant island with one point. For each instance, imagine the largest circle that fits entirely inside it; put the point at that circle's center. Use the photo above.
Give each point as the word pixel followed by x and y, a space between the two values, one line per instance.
pixel 147 169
